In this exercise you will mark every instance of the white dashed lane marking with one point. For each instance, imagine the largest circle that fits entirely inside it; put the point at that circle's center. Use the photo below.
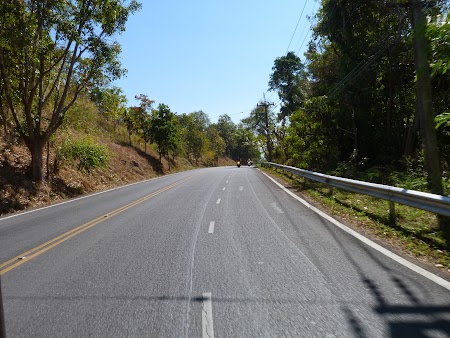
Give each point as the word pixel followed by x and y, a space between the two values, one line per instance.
pixel 207 319
pixel 211 227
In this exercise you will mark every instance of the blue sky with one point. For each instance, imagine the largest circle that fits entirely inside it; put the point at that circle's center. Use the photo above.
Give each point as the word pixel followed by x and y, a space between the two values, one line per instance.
pixel 209 55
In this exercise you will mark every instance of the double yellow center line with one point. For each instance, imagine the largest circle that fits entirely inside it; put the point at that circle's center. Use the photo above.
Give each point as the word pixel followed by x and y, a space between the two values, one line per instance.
pixel 40 249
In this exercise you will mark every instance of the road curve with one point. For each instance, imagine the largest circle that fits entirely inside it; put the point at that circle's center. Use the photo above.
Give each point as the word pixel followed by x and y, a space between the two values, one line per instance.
pixel 220 252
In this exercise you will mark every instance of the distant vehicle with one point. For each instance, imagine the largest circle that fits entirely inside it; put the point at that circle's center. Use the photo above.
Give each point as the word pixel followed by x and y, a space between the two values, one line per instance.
pixel 238 163
pixel 249 162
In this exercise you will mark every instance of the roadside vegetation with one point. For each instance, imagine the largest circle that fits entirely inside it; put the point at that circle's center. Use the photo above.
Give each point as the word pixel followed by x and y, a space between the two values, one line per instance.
pixel 415 232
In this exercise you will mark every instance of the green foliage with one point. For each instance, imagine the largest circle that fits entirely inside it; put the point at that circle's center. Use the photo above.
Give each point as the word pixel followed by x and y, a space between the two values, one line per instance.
pixel 164 130
pixel 227 129
pixel 85 153
pixel 193 132
pixel 247 145
pixel 443 120
pixel 262 121
pixel 289 80
pixel 110 101
pixel 215 142
pixel 438 32
pixel 82 116
pixel 310 137
pixel 138 119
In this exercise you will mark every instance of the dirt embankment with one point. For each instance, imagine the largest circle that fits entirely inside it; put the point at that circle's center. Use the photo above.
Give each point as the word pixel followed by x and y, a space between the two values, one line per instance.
pixel 126 165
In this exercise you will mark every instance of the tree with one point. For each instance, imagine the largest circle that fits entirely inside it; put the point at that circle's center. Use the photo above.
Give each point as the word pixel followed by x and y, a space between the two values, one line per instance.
pixel 194 133
pixel 142 117
pixel 424 107
pixel 137 120
pixel 216 142
pixel 290 81
pixel 111 102
pixel 262 121
pixel 246 143
pixel 50 52
pixel 165 131
pixel 226 129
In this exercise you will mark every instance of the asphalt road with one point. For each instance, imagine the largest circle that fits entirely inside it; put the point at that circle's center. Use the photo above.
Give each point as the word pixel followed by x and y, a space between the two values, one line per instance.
pixel 221 252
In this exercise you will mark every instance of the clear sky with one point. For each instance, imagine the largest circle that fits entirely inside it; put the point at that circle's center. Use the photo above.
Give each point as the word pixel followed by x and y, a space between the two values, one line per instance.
pixel 214 56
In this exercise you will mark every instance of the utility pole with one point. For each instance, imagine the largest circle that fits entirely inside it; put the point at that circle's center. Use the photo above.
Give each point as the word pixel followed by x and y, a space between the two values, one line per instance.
pixel 266 105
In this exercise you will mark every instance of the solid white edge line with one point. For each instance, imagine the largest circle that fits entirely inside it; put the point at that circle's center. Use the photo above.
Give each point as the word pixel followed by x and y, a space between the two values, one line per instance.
pixel 89 195
pixel 218 201
pixel 207 319
pixel 211 227
pixel 427 274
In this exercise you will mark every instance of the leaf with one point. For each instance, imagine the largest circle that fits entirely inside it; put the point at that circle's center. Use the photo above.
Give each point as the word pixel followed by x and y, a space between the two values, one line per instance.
pixel 442 120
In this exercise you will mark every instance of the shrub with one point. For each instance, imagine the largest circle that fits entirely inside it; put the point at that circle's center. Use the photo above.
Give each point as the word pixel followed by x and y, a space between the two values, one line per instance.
pixel 87 154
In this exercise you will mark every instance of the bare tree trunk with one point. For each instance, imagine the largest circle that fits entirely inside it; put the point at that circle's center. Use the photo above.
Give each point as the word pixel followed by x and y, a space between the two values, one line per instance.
pixel 411 136
pixel 423 100
pixel 48 160
pixel 36 148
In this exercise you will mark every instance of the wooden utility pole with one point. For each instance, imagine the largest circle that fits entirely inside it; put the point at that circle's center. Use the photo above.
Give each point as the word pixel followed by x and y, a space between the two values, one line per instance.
pixel 266 105
pixel 424 109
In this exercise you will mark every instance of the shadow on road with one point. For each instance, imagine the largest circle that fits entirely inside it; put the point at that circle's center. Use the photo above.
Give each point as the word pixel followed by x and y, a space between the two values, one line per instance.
pixel 416 319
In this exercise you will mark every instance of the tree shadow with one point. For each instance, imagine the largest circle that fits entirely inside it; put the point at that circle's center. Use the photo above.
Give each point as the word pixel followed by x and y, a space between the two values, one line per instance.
pixel 153 161
pixel 419 234
pixel 59 185
pixel 21 180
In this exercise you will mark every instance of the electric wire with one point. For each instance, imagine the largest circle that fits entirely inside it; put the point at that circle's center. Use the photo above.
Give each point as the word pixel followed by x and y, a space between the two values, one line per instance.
pixel 307 32
pixel 295 30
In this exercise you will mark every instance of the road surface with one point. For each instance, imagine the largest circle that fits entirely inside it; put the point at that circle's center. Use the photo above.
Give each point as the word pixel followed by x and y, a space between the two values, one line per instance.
pixel 220 252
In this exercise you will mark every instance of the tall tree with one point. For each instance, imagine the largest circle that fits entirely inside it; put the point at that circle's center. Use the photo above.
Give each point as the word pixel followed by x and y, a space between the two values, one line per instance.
pixel 142 118
pixel 50 52
pixel 226 128
pixel 194 126
pixel 289 79
pixel 262 121
pixel 424 108
pixel 216 142
pixel 165 130
pixel 246 143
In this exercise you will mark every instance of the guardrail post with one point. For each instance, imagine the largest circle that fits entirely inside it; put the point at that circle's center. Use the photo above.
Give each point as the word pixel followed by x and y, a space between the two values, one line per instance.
pixel 330 191
pixel 392 216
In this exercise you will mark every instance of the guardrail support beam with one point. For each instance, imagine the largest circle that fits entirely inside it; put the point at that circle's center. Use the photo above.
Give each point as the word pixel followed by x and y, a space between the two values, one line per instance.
pixel 392 216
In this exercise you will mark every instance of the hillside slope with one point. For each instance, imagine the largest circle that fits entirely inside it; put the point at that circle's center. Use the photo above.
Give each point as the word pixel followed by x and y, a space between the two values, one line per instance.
pixel 126 165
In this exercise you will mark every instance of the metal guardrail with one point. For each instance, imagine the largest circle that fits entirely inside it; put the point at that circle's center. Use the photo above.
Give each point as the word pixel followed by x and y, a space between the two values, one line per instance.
pixel 421 200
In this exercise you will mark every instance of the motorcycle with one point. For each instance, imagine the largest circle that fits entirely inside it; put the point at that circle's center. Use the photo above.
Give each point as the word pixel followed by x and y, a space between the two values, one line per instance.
pixel 238 163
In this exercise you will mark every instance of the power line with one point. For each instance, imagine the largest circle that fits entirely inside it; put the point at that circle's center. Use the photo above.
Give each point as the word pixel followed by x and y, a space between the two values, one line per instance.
pixel 295 30
pixel 358 69
pixel 307 32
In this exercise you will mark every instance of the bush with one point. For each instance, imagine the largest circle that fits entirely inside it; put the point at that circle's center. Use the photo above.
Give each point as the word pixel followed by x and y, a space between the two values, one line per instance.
pixel 87 154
